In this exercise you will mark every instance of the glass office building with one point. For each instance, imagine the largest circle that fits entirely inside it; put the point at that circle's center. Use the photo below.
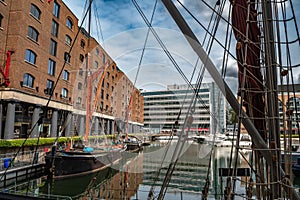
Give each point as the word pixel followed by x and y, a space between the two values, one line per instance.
pixel 163 108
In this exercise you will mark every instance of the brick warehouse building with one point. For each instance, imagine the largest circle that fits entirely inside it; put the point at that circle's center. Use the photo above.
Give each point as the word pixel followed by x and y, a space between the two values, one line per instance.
pixel 35 40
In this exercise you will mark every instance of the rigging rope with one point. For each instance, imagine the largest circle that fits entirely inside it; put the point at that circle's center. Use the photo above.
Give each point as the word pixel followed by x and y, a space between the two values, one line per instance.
pixel 214 29
pixel 98 26
pixel 171 167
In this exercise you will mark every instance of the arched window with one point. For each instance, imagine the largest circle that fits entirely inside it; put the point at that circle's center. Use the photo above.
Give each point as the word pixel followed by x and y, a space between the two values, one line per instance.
pixel 78 100
pixel 69 23
pixel 53 47
pixel 56 9
pixel 67 57
pixel 82 44
pixel 103 58
pixel 54 28
pixel 80 72
pixel 66 75
pixel 96 64
pixel 35 11
pixel 30 56
pixel 68 40
pixel 79 86
pixel 33 33
pixel 51 67
pixel 28 80
pixel 64 93
pixel 97 52
pixel 81 58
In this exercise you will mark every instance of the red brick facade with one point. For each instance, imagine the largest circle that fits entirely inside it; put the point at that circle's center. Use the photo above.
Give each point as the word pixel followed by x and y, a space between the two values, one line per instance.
pixel 31 29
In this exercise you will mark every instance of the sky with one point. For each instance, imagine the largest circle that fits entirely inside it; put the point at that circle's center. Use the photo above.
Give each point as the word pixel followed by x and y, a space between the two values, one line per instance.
pixel 120 29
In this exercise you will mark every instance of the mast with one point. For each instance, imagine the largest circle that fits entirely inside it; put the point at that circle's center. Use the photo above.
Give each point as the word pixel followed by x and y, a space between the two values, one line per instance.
pixel 272 95
pixel 88 76
pixel 267 153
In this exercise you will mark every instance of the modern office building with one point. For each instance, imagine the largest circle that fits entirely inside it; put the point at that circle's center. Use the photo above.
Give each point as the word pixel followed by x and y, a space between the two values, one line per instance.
pixel 163 108
pixel 41 55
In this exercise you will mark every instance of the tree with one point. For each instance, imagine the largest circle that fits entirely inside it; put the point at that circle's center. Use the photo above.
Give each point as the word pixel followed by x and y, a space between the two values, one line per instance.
pixel 232 116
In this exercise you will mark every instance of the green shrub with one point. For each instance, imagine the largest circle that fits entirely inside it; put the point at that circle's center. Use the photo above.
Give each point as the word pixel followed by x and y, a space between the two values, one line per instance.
pixel 33 141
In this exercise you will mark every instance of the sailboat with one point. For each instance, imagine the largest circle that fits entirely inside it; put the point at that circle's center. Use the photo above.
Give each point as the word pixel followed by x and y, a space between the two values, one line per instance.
pixel 82 158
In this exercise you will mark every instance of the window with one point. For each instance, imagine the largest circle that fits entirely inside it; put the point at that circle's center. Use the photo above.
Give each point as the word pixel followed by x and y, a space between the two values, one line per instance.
pixel 68 40
pixel 53 45
pixel 51 67
pixel 97 52
pixel 79 86
pixel 67 57
pixel 103 58
pixel 35 11
pixel 69 23
pixel 102 94
pixel 82 44
pixel 78 100
pixel 54 28
pixel 80 72
pixel 32 33
pixel 64 93
pixel 1 17
pixel 28 80
pixel 96 64
pixel 56 8
pixel 66 75
pixel 49 86
pixel 30 56
pixel 81 58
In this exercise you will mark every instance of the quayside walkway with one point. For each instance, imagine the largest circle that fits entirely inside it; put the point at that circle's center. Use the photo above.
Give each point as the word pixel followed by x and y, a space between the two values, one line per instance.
pixel 25 165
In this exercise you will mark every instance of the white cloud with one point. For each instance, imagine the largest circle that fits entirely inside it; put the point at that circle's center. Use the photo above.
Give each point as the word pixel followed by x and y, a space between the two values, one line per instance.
pixel 124 34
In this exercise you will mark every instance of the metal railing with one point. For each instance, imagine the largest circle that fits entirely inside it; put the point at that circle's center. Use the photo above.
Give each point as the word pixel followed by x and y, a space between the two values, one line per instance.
pixel 22 159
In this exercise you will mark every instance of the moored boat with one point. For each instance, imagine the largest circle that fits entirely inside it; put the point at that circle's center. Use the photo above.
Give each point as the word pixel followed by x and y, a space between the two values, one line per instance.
pixel 70 163
pixel 133 144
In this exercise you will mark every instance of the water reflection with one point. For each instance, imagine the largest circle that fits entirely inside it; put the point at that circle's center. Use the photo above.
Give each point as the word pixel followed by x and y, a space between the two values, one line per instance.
pixel 137 173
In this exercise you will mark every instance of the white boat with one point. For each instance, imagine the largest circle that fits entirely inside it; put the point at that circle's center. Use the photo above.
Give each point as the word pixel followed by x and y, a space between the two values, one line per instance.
pixel 245 141
pixel 210 139
pixel 167 137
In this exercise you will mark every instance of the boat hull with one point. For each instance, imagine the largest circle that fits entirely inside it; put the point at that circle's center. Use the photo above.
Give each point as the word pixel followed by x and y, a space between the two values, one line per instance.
pixel 134 147
pixel 74 163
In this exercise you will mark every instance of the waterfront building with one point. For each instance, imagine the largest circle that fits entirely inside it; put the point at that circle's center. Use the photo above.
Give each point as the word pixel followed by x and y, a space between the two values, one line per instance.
pixel 36 38
pixel 289 108
pixel 162 108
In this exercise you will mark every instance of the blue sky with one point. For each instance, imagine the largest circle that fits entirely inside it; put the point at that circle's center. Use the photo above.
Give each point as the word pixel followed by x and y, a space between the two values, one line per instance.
pixel 123 34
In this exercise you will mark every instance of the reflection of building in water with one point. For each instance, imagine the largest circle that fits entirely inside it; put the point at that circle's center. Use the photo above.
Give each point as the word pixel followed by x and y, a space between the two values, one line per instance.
pixel 189 175
pixel 122 185
pixel 223 159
